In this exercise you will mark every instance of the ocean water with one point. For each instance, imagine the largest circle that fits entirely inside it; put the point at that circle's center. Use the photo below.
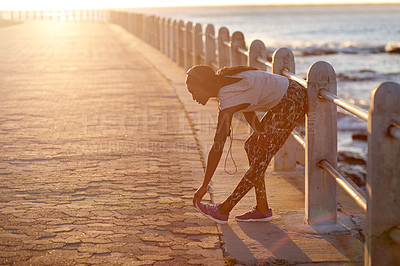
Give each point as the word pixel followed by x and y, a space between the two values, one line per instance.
pixel 354 39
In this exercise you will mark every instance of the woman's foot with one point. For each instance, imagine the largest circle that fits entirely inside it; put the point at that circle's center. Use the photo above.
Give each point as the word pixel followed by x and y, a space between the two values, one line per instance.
pixel 212 212
pixel 255 216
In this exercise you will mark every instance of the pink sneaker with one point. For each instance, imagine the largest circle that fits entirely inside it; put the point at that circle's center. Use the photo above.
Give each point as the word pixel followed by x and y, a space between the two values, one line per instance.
pixel 255 216
pixel 212 212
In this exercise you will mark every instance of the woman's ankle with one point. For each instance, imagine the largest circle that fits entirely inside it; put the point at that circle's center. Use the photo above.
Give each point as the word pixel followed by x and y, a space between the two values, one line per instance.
pixel 225 208
pixel 263 208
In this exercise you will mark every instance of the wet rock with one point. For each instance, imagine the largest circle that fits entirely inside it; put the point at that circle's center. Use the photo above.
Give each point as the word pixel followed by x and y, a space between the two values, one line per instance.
pixel 392 47
pixel 353 166
pixel 356 173
pixel 352 158
pixel 363 136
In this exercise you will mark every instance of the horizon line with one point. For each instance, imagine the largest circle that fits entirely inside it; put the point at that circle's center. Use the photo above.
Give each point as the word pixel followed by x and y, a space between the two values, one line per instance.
pixel 219 5
pixel 277 5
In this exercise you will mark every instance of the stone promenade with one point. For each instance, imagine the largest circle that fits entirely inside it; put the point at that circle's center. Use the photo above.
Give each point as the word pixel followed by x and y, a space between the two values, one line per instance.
pixel 98 163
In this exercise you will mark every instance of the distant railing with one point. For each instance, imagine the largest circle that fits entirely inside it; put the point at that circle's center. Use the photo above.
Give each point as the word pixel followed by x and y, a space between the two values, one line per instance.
pixel 95 15
pixel 187 45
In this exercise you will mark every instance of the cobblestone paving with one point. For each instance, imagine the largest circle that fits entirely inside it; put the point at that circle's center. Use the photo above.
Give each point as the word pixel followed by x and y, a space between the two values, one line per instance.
pixel 97 162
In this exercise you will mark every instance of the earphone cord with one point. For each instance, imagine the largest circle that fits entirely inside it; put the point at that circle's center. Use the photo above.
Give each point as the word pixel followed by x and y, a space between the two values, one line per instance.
pixel 230 152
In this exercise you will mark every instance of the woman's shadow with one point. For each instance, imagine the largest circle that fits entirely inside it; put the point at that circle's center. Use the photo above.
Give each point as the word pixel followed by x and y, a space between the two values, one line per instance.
pixel 278 246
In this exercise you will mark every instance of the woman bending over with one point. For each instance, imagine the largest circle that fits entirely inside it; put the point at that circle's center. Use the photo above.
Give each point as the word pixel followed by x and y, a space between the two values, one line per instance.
pixel 247 90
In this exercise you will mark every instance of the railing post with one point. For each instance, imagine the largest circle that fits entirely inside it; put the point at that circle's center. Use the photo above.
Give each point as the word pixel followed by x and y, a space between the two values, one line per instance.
pixel 224 57
pixel 140 26
pixel 321 142
pixel 166 36
pixel 211 52
pixel 189 45
pixel 383 177
pixel 257 49
pixel 181 44
pixel 198 44
pixel 285 158
pixel 162 35
pixel 154 32
pixel 149 29
pixel 174 39
pixel 237 41
pixel 146 33
pixel 157 20
pixel 159 34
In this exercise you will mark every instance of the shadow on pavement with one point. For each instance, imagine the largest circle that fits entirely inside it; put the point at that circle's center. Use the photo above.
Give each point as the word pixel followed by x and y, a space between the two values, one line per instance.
pixel 277 244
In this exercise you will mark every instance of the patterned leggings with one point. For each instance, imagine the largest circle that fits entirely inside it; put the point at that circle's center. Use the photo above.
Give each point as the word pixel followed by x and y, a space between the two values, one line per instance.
pixel 278 123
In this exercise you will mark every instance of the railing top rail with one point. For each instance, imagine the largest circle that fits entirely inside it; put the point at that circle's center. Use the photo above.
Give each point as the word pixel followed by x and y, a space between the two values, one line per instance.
pixel 212 36
pixel 295 78
pixel 360 200
pixel 299 138
pixel 355 110
pixel 243 51
pixel 284 72
pixel 227 43
pixel 264 61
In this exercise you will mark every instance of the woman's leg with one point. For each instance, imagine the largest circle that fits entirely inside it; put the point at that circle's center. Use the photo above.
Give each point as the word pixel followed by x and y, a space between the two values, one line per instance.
pixel 254 176
pixel 261 195
pixel 277 129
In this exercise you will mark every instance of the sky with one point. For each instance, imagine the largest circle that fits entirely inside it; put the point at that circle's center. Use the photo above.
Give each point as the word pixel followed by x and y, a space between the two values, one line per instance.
pixel 76 4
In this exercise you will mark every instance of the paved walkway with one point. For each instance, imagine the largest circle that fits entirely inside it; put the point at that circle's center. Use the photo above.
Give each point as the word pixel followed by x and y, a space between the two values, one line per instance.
pixel 98 164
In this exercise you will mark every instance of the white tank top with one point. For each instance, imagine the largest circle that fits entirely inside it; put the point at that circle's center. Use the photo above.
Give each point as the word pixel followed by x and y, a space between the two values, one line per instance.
pixel 260 89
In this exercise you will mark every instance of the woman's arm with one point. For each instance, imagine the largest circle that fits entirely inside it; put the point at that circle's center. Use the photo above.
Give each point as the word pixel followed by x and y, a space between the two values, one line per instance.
pixel 214 156
pixel 252 119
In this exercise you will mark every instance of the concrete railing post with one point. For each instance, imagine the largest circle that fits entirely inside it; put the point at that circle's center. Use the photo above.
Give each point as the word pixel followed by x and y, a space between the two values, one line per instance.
pixel 257 49
pixel 166 36
pixel 132 23
pixel 157 36
pixel 149 29
pixel 146 28
pixel 189 45
pixel 174 40
pixel 161 34
pixel 321 143
pixel 198 44
pixel 382 245
pixel 285 158
pixel 211 52
pixel 181 44
pixel 238 41
pixel 140 26
pixel 224 56
pixel 154 32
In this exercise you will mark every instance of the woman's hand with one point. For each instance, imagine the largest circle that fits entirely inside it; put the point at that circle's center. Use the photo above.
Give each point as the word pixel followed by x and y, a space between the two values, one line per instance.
pixel 198 196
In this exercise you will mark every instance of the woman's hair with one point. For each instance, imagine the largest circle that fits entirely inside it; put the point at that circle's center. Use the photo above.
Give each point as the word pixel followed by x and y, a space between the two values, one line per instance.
pixel 206 77
pixel 224 74
pixel 233 70
pixel 202 75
